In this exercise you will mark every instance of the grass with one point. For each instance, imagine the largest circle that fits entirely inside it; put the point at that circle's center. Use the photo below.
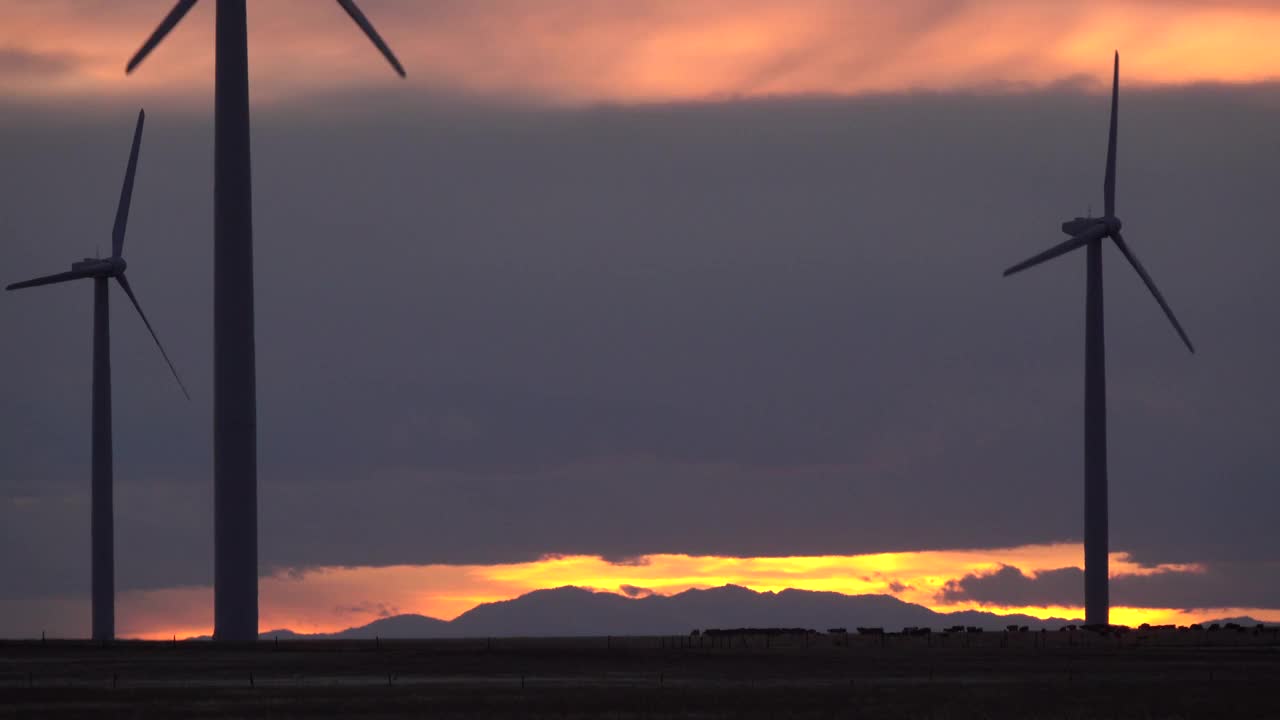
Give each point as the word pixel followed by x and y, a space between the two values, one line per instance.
pixel 631 678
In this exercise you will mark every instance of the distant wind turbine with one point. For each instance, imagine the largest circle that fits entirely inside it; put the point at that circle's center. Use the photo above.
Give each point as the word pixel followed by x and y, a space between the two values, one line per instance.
pixel 235 449
pixel 1090 232
pixel 101 271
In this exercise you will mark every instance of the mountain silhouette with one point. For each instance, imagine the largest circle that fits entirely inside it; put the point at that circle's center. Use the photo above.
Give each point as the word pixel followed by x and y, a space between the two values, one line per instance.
pixel 573 611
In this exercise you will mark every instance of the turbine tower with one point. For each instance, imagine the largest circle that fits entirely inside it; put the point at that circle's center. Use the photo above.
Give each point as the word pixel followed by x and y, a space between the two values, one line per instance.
pixel 102 550
pixel 235 450
pixel 1089 233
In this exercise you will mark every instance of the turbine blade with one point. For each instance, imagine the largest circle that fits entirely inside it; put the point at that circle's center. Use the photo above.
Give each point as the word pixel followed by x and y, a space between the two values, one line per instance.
pixel 124 284
pixel 173 18
pixel 1109 185
pixel 1151 285
pixel 51 279
pixel 126 192
pixel 367 27
pixel 1061 248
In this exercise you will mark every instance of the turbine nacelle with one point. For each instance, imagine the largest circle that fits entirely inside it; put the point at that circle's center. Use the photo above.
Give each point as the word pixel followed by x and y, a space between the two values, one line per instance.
pixel 1080 225
pixel 100 267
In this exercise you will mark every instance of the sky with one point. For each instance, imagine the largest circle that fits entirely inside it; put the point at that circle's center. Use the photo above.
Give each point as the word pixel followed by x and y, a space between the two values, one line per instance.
pixel 649 296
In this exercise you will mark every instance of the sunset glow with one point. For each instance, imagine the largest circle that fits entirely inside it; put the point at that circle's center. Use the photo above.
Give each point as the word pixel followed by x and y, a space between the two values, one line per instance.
pixel 649 51
pixel 335 598
pixel 646 283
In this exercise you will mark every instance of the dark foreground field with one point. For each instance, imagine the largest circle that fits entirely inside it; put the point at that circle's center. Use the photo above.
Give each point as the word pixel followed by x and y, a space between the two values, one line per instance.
pixel 992 677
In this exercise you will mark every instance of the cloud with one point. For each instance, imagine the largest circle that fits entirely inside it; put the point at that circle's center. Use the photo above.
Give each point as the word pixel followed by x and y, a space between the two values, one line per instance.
pixel 1009 586
pixel 1217 585
pixel 376 609
pixel 28 64
pixel 567 51
pixel 1248 583
pixel 759 328
pixel 632 591
pixel 632 561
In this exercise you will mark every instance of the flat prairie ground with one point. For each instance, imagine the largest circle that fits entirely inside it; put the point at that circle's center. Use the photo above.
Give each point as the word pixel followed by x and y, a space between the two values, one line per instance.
pixel 989 675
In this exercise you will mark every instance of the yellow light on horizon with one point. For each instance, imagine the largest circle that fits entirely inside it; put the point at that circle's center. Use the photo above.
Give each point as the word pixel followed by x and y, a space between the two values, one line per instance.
pixel 329 599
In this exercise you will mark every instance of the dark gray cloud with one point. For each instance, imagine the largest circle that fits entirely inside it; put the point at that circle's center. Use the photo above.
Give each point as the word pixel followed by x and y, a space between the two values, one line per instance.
pixel 1222 584
pixel 776 327
pixel 635 592
pixel 369 608
pixel 1010 586
pixel 25 64
pixel 1218 585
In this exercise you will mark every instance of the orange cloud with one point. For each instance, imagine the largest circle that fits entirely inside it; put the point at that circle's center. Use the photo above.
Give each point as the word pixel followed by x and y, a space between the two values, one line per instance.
pixel 648 50
pixel 334 598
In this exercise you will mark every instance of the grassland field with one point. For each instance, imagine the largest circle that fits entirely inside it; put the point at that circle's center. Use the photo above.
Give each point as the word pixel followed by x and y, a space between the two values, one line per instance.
pixel 1187 674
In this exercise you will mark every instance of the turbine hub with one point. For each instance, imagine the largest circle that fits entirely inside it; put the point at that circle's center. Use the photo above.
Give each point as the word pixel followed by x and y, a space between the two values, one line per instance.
pixel 1113 225
pixel 118 265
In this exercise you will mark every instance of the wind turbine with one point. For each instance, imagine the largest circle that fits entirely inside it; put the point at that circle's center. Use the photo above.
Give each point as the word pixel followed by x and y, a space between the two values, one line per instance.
pixel 235 449
pixel 101 271
pixel 1089 233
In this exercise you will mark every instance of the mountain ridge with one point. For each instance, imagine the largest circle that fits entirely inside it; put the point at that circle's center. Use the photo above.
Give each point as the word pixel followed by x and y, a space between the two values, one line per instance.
pixel 571 611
